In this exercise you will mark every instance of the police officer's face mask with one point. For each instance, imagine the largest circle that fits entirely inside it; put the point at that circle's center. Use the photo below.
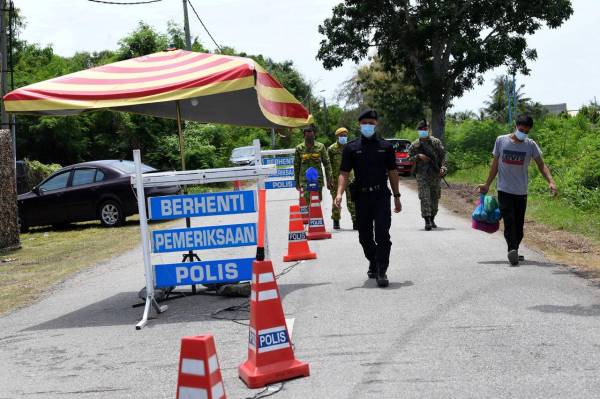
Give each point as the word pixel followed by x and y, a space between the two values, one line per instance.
pixel 367 130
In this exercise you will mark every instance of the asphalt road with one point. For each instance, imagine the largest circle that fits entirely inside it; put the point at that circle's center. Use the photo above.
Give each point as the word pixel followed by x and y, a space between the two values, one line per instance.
pixel 456 322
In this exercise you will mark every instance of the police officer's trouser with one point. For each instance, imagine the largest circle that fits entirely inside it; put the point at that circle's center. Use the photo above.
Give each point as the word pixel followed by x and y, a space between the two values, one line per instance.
pixel 335 212
pixel 374 213
pixel 430 192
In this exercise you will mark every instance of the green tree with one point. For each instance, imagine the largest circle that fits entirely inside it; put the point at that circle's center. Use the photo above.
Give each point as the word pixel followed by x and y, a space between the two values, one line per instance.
pixel 375 87
pixel 142 41
pixel 444 46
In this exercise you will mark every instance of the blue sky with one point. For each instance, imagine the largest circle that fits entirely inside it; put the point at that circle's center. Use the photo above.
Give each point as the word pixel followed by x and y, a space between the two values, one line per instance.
pixel 566 69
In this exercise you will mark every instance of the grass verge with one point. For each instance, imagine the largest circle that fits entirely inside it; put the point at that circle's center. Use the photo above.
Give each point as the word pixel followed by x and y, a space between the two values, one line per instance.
pixel 48 256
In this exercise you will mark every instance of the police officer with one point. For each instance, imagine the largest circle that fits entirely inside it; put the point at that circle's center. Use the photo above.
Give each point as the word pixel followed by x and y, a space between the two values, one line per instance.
pixel 335 157
pixel 429 157
pixel 373 162
pixel 311 153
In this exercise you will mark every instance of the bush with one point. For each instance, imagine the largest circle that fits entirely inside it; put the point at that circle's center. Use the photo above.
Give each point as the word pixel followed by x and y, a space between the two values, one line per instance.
pixel 37 171
pixel 570 146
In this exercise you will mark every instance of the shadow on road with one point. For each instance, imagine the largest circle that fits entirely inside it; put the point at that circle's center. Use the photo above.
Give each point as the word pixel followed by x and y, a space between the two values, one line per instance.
pixel 575 310
pixel 371 283
pixel 521 263
pixel 118 309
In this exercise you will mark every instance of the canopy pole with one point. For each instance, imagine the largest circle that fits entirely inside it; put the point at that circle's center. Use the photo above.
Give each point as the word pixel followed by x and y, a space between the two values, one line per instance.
pixel 181 151
pixel 190 256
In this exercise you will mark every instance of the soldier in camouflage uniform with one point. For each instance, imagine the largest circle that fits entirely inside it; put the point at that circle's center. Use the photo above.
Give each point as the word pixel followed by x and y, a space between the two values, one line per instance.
pixel 429 156
pixel 335 157
pixel 311 153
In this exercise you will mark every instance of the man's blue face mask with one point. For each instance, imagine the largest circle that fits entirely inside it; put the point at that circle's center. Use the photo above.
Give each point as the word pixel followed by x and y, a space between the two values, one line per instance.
pixel 367 130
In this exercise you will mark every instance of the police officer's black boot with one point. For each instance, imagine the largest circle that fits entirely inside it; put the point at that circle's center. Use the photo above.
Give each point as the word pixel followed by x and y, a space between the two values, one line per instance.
pixel 433 222
pixel 382 280
pixel 427 223
pixel 336 224
pixel 372 273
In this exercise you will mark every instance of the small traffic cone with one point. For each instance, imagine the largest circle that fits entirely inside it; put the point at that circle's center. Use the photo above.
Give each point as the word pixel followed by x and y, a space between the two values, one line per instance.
pixel 303 207
pixel 199 371
pixel 270 354
pixel 237 185
pixel 316 225
pixel 297 245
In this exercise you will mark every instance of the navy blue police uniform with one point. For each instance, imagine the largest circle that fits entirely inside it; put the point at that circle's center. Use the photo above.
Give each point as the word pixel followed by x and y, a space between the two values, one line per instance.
pixel 372 159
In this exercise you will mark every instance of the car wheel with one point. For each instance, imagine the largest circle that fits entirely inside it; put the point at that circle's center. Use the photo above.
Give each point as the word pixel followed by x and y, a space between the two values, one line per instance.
pixel 111 214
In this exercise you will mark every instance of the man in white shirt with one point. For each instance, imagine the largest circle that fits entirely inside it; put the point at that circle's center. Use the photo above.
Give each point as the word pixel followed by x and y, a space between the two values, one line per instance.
pixel 512 154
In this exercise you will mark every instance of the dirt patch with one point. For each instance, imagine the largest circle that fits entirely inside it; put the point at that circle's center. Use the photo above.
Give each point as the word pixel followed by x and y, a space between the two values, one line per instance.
pixel 574 251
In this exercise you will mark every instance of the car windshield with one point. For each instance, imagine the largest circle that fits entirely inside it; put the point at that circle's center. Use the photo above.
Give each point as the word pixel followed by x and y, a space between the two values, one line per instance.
pixel 242 152
pixel 400 145
pixel 129 167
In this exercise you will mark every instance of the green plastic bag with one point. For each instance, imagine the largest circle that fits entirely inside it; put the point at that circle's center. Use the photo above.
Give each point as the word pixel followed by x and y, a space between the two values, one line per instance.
pixel 490 204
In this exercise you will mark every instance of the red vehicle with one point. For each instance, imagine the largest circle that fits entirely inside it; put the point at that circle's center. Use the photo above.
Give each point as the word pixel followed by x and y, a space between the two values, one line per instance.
pixel 403 164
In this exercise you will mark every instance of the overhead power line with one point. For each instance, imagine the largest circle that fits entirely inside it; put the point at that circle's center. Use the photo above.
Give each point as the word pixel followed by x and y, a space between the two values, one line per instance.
pixel 121 3
pixel 204 26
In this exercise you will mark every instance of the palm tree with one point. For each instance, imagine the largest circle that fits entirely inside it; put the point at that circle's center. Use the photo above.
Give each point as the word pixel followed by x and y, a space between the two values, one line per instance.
pixel 497 106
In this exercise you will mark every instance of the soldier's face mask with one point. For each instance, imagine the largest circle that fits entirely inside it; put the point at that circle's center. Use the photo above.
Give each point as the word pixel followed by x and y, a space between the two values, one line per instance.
pixel 342 140
pixel 423 133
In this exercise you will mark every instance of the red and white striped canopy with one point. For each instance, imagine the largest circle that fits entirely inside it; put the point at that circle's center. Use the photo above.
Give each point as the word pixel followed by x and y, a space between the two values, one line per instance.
pixel 209 88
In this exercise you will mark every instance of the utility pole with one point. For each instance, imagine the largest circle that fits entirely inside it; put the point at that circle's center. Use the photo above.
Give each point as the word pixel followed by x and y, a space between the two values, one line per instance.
pixel 186 27
pixel 4 55
pixel 326 116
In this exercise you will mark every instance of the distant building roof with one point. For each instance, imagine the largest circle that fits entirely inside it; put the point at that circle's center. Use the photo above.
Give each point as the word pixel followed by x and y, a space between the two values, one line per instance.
pixel 555 108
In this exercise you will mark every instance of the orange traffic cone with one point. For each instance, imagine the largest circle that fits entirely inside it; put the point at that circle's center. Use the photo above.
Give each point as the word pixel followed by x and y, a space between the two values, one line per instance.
pixel 270 354
pixel 316 225
pixel 199 371
pixel 303 207
pixel 237 185
pixel 297 245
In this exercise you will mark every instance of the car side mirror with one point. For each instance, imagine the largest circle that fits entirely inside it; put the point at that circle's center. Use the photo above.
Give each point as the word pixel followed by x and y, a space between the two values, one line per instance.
pixel 37 190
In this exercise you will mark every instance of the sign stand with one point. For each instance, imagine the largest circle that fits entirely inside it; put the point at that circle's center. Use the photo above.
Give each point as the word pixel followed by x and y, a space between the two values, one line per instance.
pixel 258 173
pixel 150 300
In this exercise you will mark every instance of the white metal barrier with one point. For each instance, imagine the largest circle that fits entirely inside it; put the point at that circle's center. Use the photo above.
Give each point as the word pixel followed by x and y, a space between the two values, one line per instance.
pixel 258 173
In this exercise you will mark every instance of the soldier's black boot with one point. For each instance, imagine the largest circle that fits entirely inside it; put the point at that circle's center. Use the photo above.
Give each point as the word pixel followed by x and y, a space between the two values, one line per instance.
pixel 354 225
pixel 372 273
pixel 427 223
pixel 433 222
pixel 336 224
pixel 382 280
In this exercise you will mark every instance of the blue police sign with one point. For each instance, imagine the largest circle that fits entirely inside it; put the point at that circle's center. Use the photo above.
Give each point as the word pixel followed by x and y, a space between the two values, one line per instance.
pixel 285 172
pixel 174 240
pixel 269 340
pixel 279 161
pixel 207 204
pixel 207 272
pixel 275 184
